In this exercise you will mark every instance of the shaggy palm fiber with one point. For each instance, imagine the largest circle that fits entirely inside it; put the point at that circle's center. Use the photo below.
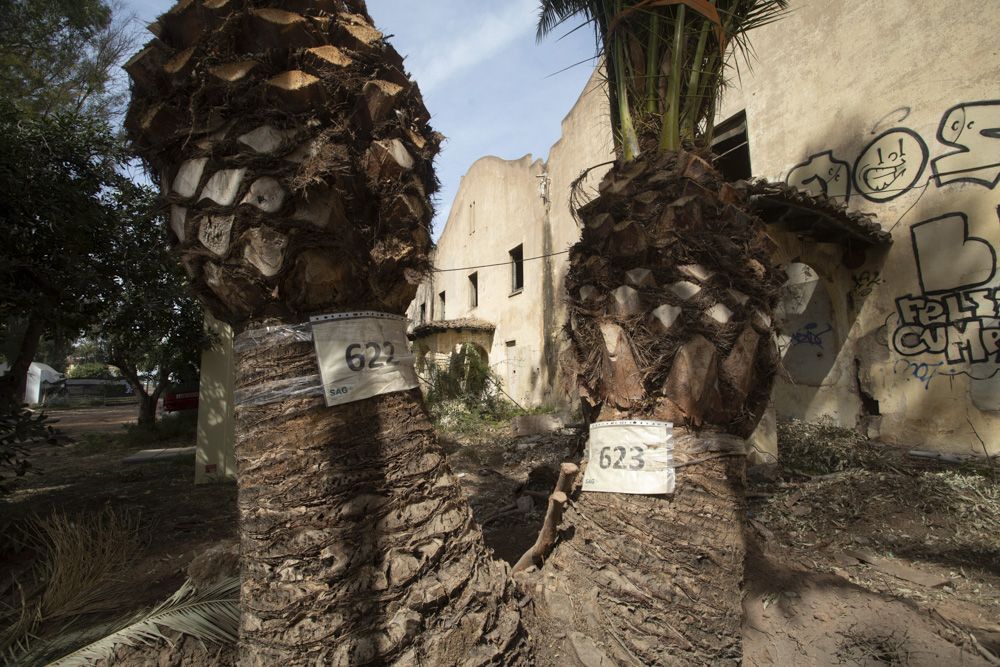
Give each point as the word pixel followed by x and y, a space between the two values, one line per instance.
pixel 670 291
pixel 293 151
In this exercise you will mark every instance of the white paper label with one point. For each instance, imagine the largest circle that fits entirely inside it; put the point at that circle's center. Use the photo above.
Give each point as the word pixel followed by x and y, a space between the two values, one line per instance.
pixel 362 355
pixel 630 456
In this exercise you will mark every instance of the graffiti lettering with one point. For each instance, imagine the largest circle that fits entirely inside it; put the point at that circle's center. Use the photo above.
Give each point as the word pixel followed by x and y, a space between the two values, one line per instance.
pixel 951 317
pixel 808 335
pixel 943 243
pixel 891 164
pixel 865 282
pixel 822 174
pixel 972 128
pixel 921 371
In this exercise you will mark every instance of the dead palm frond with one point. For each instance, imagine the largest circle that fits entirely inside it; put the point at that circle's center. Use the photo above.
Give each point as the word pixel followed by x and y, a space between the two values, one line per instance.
pixel 211 615
pixel 666 61
pixel 79 563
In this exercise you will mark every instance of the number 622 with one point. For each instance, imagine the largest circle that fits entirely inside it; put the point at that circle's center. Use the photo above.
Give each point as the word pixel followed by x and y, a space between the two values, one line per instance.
pixel 357 354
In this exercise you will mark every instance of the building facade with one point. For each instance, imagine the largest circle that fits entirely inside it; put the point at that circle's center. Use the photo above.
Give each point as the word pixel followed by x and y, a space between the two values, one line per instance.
pixel 889 109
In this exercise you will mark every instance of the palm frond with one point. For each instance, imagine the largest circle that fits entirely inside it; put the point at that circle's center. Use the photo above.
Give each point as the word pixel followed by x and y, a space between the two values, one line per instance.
pixel 211 615
pixel 665 71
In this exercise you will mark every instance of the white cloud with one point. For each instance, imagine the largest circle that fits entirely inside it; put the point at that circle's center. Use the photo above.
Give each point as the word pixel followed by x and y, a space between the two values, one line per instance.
pixel 479 36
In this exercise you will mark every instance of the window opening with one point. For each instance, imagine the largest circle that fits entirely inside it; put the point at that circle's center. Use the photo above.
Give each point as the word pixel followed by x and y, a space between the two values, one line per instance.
pixel 731 146
pixel 473 289
pixel 517 269
pixel 441 306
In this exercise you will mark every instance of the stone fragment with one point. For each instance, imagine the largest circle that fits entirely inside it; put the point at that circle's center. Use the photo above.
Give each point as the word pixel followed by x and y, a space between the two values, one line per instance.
pixel 223 186
pixel 189 177
pixel 696 271
pixel 627 301
pixel 214 232
pixel 266 194
pixel 640 278
pixel 265 250
pixel 178 218
pixel 685 289
pixel 720 313
pixel 663 317
pixel 588 292
pixel 321 209
pixel 266 139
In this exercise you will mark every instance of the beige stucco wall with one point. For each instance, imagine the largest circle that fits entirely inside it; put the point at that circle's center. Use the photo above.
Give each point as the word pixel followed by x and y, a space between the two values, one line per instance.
pixel 215 458
pixel 833 84
pixel 501 204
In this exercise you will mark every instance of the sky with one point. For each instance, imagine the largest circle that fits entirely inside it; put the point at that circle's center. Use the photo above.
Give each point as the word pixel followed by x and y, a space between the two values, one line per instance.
pixel 490 88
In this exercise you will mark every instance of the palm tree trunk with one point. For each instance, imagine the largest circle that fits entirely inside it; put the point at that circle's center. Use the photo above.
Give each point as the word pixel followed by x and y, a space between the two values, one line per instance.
pixel 14 383
pixel 358 545
pixel 670 291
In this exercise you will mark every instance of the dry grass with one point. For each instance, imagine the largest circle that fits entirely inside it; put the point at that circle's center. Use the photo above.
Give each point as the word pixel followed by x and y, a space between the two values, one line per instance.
pixel 821 448
pixel 79 563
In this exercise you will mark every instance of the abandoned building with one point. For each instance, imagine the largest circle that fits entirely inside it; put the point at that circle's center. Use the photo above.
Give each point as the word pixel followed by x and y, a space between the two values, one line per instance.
pixel 876 177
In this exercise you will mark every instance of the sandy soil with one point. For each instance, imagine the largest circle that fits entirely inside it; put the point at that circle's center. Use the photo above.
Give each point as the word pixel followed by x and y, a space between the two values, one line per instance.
pixel 857 568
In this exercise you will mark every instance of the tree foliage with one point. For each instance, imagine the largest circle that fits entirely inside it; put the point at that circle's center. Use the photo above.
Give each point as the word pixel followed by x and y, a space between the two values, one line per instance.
pixel 149 326
pixel 58 174
pixel 59 56
pixel 665 60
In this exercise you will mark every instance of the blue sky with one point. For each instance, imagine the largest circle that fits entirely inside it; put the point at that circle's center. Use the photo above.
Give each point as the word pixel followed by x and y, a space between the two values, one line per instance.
pixel 490 88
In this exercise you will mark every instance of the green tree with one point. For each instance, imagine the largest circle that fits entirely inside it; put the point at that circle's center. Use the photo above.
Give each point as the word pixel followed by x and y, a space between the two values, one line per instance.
pixel 62 55
pixel 58 174
pixel 149 326
pixel 670 291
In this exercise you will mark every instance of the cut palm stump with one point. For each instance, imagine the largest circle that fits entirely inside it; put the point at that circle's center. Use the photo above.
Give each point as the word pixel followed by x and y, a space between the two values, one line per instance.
pixel 536 555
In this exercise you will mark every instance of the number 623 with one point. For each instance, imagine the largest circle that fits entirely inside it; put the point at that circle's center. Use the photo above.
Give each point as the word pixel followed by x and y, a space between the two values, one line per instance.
pixel 614 457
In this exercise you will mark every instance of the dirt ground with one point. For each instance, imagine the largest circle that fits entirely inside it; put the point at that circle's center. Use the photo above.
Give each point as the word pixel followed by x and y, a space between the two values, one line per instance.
pixel 892 564
pixel 78 421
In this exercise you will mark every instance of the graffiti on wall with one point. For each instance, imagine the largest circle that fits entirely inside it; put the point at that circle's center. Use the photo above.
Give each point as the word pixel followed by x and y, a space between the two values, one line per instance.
pixel 822 174
pixel 956 314
pixel 974 130
pixel 890 164
pixel 894 162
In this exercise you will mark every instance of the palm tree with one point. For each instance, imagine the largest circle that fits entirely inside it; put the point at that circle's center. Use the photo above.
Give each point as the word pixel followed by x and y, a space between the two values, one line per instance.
pixel 670 293
pixel 295 156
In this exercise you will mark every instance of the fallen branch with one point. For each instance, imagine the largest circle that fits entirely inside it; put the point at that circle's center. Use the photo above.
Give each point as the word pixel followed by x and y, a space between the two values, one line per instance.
pixel 553 516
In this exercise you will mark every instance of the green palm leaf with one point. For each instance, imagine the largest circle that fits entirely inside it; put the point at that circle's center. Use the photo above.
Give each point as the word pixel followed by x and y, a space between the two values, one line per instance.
pixel 665 61
pixel 211 615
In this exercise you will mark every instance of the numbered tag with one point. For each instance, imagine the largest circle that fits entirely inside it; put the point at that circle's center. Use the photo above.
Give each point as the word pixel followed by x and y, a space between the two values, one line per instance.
pixel 630 456
pixel 362 355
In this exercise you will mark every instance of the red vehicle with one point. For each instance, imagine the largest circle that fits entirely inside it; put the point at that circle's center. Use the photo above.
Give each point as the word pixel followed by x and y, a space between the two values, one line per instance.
pixel 183 397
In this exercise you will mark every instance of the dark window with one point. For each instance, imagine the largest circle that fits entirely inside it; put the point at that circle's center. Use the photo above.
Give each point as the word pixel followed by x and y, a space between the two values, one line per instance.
pixel 732 148
pixel 423 313
pixel 473 289
pixel 441 304
pixel 517 269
